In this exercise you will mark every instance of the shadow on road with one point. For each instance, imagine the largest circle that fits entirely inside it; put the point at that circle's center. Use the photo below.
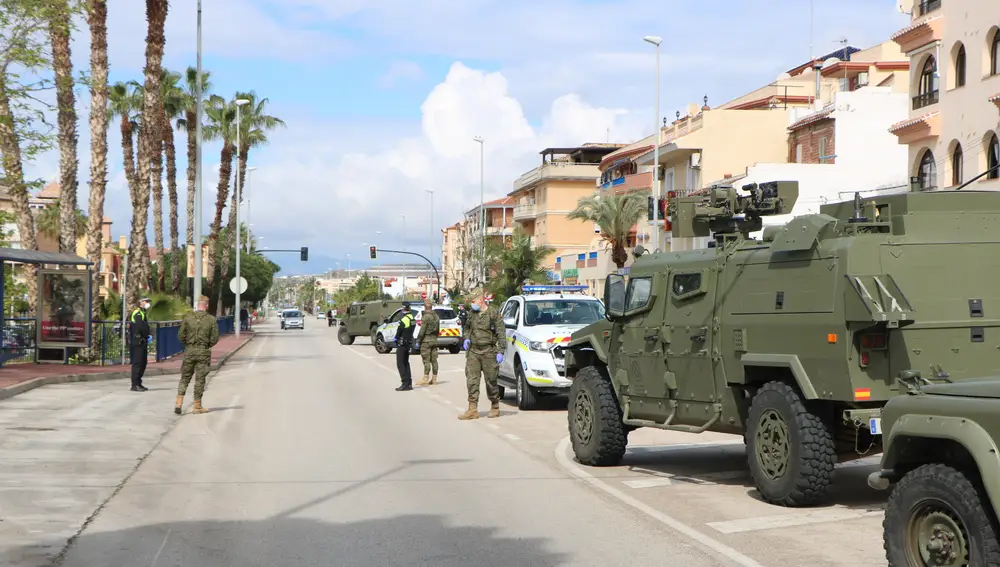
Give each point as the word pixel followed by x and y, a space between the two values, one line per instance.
pixel 556 402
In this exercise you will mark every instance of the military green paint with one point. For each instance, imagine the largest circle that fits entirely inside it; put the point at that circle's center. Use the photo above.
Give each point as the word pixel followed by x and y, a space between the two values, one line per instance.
pixel 789 361
pixel 361 316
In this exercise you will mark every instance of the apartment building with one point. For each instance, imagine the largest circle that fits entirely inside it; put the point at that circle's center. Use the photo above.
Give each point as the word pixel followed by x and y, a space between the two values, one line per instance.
pixel 545 195
pixel 951 132
pixel 452 266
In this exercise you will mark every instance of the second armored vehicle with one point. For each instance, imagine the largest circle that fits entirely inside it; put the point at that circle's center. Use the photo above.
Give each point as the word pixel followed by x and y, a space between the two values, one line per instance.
pixel 363 317
pixel 795 341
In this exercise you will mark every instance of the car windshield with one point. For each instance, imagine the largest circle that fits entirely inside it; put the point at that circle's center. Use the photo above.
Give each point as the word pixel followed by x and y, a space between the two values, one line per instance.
pixel 445 314
pixel 562 312
pixel 292 314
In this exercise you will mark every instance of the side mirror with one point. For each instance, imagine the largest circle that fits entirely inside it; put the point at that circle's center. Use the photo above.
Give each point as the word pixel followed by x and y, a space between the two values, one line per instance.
pixel 510 323
pixel 614 296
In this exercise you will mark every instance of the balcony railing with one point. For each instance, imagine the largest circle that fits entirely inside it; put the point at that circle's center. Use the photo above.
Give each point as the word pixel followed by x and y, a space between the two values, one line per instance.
pixel 556 170
pixel 524 212
pixel 925 99
pixel 926 6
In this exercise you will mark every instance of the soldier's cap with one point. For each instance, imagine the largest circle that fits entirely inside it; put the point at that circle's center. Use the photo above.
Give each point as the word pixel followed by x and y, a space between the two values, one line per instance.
pixel 477 292
pixel 406 304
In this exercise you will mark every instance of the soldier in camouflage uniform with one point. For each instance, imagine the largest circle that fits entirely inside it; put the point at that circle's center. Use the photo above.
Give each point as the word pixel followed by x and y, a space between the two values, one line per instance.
pixel 427 338
pixel 484 338
pixel 199 332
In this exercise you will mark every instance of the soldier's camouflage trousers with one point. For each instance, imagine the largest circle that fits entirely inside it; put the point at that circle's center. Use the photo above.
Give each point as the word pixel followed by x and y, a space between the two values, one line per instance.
pixel 484 363
pixel 195 363
pixel 429 353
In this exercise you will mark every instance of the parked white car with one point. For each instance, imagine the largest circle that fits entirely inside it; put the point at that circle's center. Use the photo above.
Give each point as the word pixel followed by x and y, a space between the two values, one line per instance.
pixel 450 335
pixel 537 324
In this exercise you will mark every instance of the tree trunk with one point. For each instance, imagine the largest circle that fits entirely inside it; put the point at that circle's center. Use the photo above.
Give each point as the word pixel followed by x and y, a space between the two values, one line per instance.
pixel 98 20
pixel 149 139
pixel 156 186
pixel 128 158
pixel 10 150
pixel 618 254
pixel 225 172
pixel 171 152
pixel 191 122
pixel 63 66
pixel 232 235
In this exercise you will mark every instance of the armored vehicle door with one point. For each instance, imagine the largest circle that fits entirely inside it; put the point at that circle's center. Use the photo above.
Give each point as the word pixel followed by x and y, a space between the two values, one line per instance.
pixel 641 372
pixel 689 329
pixel 356 321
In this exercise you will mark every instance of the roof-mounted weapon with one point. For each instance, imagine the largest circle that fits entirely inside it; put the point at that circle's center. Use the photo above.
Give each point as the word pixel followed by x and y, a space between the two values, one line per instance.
pixel 724 211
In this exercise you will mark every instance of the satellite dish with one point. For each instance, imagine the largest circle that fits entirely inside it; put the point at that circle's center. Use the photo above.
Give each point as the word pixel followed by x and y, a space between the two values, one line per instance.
pixel 830 62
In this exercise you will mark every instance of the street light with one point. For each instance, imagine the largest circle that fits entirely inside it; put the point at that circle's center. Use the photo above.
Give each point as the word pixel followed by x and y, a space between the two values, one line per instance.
pixel 249 171
pixel 656 144
pixel 482 210
pixel 239 236
pixel 199 103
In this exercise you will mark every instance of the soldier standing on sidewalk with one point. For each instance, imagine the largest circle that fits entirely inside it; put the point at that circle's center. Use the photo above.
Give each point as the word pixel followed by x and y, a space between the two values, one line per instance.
pixel 139 338
pixel 199 332
pixel 485 340
pixel 427 338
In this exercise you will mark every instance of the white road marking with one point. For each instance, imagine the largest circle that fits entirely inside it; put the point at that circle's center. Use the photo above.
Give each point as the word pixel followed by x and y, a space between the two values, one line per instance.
pixel 834 514
pixel 667 479
pixel 717 546
pixel 162 545
pixel 511 436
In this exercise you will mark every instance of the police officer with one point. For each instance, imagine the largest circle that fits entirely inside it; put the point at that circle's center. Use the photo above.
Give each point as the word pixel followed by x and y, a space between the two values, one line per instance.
pixel 404 342
pixel 427 338
pixel 484 341
pixel 139 339
pixel 199 332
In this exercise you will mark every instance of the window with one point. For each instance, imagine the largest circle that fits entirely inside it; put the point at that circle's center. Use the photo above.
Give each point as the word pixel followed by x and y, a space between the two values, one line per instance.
pixel 445 314
pixel 510 311
pixel 396 316
pixel 960 67
pixel 638 293
pixel 927 172
pixel 686 283
pixel 995 54
pixel 822 150
pixel 957 172
pixel 798 153
pixel 927 88
pixel 562 312
pixel 993 158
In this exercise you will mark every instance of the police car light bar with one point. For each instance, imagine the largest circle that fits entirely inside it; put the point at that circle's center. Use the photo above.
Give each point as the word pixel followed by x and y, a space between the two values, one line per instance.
pixel 554 288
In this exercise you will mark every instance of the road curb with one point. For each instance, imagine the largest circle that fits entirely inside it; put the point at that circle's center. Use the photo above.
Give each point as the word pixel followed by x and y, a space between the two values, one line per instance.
pixel 28 385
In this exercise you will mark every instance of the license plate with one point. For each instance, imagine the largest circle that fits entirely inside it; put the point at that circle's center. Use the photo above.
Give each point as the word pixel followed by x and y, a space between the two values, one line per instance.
pixel 875 425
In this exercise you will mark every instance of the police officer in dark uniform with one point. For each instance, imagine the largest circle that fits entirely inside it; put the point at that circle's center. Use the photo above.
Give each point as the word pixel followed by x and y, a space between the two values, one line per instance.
pixel 404 342
pixel 140 338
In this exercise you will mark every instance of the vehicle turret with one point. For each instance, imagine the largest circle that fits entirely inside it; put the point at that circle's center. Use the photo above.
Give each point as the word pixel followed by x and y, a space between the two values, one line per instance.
pixel 723 211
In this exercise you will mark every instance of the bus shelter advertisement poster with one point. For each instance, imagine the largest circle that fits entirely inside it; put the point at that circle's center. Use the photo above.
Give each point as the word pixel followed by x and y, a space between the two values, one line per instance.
pixel 63 308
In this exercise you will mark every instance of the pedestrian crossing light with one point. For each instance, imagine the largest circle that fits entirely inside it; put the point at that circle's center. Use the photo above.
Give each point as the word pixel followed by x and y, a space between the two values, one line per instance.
pixel 371 251
pixel 304 254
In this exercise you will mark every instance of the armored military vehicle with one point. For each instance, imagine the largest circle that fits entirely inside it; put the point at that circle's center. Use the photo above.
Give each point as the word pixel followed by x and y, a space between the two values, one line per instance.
pixel 363 317
pixel 940 456
pixel 795 341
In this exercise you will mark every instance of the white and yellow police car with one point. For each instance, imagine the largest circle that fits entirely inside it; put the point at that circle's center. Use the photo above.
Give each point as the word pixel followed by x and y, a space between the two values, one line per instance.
pixel 449 337
pixel 538 323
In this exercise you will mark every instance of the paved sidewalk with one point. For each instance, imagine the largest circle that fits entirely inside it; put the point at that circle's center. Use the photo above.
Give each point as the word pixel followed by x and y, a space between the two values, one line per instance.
pixel 18 378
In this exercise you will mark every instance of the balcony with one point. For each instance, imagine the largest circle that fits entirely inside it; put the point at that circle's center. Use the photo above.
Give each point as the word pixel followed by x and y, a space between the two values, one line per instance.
pixel 925 99
pixel 499 230
pixel 559 171
pixel 628 183
pixel 927 6
pixel 525 212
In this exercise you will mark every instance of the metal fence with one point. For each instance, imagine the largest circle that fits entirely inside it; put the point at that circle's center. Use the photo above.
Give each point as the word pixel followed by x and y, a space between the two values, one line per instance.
pixel 107 349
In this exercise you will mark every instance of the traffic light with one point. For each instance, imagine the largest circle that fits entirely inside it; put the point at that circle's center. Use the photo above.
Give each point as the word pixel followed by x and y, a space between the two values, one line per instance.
pixel 371 251
pixel 304 254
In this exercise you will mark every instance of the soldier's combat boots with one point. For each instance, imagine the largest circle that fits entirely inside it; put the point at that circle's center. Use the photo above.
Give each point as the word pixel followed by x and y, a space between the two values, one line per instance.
pixel 423 381
pixel 434 380
pixel 197 407
pixel 494 410
pixel 471 413
pixel 178 404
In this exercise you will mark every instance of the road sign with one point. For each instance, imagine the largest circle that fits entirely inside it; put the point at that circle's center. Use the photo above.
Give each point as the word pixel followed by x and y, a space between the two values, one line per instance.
pixel 423 295
pixel 243 285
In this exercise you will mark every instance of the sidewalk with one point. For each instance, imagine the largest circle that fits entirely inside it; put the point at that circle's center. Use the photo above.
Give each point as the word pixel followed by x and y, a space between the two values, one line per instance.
pixel 18 378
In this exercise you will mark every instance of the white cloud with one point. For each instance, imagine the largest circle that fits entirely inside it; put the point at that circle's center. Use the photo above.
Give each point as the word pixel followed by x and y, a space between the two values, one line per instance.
pixel 400 71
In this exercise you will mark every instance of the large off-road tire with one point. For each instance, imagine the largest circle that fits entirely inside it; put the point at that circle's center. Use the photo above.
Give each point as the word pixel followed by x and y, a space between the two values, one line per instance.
pixel 380 346
pixel 595 420
pixel 935 516
pixel 527 398
pixel 790 447
pixel 344 337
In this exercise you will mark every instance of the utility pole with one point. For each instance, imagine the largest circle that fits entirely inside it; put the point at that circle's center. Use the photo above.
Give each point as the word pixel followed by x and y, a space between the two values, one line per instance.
pixel 197 180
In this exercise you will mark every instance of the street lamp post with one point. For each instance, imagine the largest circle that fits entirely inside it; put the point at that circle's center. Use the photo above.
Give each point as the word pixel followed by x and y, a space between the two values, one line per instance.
pixel 196 295
pixel 482 210
pixel 656 144
pixel 239 236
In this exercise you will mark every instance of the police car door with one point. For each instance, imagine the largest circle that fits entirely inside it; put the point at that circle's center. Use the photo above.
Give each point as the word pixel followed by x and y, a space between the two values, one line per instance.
pixel 511 321
pixel 389 332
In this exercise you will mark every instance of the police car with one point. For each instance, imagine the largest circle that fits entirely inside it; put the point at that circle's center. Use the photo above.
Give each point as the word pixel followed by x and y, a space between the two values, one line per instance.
pixel 538 323
pixel 450 335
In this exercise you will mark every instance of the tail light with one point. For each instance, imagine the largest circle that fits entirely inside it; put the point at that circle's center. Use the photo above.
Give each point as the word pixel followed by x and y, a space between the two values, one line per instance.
pixel 873 341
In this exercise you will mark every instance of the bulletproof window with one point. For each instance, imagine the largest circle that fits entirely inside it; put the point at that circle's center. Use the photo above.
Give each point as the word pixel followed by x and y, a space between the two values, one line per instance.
pixel 685 284
pixel 639 291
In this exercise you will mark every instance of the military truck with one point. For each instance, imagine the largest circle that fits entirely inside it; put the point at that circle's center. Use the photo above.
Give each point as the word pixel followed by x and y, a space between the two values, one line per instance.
pixel 796 340
pixel 940 457
pixel 363 317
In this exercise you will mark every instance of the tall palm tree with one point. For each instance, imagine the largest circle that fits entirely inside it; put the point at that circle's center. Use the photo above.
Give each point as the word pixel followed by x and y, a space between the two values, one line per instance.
pixel 616 214
pixel 190 124
pixel 222 126
pixel 97 18
pixel 173 107
pixel 155 176
pixel 516 263
pixel 63 66
pixel 125 104
pixel 150 144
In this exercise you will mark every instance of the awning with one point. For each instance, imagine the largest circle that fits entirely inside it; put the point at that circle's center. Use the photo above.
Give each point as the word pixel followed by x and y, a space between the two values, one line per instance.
pixel 38 257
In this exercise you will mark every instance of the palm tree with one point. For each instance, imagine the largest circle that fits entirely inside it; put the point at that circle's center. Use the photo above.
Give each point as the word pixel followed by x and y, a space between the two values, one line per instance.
pixel 63 66
pixel 124 104
pixel 49 221
pixel 616 214
pixel 156 177
pixel 150 144
pixel 97 17
pixel 190 124
pixel 222 126
pixel 516 263
pixel 173 107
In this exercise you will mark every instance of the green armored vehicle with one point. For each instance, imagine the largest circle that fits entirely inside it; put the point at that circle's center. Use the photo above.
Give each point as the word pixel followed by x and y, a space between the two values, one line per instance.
pixel 940 453
pixel 795 341
pixel 363 317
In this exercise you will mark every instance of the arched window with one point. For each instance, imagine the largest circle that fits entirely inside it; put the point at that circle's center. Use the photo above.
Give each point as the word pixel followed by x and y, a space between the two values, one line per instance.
pixel 957 169
pixel 927 92
pixel 960 67
pixel 927 172
pixel 993 158
pixel 995 54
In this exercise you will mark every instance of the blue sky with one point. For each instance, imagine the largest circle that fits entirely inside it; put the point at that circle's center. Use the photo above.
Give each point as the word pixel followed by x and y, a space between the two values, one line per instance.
pixel 382 97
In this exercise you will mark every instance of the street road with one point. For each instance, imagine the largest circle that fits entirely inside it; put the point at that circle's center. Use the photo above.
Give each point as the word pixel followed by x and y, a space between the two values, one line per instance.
pixel 310 457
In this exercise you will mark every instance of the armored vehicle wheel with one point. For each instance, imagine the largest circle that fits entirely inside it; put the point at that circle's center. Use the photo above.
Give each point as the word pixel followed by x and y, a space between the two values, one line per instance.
pixel 595 420
pixel 526 397
pixel 344 337
pixel 790 447
pixel 380 346
pixel 935 516
pixel 455 349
